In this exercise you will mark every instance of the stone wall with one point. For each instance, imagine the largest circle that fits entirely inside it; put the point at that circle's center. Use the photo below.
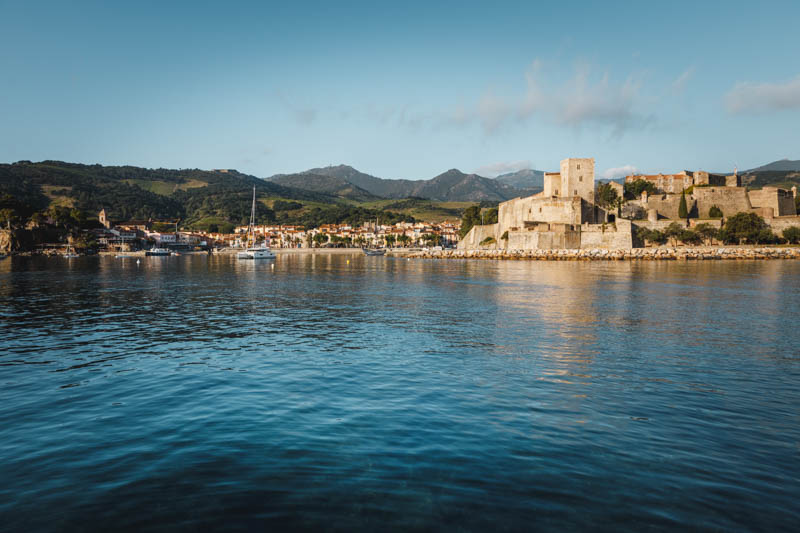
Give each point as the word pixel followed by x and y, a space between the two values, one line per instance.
pixel 616 236
pixel 696 253
pixel 731 200
pixel 513 214
pixel 536 239
pixel 472 240
pixel 779 200
pixel 778 224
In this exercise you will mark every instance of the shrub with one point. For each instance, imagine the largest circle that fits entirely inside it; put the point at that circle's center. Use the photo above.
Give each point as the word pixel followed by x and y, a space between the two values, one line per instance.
pixel 504 236
pixel 766 236
pixel 487 240
pixel 792 234
pixel 715 212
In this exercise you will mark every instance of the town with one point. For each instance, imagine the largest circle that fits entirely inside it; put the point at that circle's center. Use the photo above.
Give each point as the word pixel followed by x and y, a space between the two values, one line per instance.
pixel 135 235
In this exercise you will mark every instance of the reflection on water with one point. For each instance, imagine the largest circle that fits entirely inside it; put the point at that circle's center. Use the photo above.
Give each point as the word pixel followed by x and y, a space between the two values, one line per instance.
pixel 200 392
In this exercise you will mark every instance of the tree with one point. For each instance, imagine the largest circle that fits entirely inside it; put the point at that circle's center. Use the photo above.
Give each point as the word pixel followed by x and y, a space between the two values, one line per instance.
pixel 673 231
pixel 683 211
pixel 606 196
pixel 651 235
pixel 320 238
pixel 7 217
pixel 707 232
pixel 715 212
pixel 745 227
pixel 490 216
pixel 404 239
pixel 634 189
pixel 792 234
pixel 390 239
pixel 472 216
pixel 690 237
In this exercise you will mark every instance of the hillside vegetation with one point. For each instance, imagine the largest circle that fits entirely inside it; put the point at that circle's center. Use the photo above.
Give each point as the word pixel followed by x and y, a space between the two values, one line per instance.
pixel 201 199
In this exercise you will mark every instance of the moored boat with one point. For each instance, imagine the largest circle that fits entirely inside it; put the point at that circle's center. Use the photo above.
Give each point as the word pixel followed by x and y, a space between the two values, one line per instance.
pixel 252 251
pixel 158 252
pixel 374 251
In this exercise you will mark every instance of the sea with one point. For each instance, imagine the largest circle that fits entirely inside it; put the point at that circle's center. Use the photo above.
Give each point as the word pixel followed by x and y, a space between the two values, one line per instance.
pixel 349 393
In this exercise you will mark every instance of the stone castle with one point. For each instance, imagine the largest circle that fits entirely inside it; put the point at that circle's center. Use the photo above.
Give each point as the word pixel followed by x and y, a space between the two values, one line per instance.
pixel 565 216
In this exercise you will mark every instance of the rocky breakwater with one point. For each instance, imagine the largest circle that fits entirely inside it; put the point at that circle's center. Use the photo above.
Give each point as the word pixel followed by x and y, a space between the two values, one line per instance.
pixel 634 254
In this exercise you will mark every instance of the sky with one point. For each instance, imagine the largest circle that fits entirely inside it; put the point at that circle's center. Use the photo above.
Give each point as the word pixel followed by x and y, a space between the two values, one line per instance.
pixel 401 89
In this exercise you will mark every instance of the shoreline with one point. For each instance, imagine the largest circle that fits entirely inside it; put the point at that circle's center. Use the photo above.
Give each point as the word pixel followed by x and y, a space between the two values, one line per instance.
pixel 705 253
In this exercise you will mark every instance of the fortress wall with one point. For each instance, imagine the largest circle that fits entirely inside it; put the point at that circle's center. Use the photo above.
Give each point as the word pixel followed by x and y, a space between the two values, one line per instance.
pixel 731 200
pixel 478 233
pixel 780 200
pixel 611 237
pixel 514 213
pixel 666 204
pixel 778 224
pixel 543 240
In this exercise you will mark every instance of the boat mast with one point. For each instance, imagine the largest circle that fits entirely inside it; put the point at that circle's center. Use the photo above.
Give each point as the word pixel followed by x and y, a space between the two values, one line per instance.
pixel 253 219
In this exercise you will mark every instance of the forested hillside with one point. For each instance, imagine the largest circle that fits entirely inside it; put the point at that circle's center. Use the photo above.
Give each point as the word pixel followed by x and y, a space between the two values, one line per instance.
pixel 199 198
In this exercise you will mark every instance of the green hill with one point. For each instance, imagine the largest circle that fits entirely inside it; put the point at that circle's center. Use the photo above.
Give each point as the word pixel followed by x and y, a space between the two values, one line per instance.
pixel 199 198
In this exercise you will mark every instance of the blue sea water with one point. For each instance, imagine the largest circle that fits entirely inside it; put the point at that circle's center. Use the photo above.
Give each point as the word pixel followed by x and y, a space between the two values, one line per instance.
pixel 200 393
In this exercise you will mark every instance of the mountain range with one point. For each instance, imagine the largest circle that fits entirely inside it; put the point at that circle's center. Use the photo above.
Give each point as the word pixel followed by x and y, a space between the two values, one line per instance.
pixel 782 165
pixel 450 186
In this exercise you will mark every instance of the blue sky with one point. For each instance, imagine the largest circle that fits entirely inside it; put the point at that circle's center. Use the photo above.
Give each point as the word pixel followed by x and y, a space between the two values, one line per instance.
pixel 401 90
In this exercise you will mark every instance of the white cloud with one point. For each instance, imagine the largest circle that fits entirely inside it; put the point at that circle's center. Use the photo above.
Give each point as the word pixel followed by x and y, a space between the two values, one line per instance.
pixel 503 167
pixel 579 101
pixel 680 82
pixel 619 172
pixel 603 103
pixel 748 97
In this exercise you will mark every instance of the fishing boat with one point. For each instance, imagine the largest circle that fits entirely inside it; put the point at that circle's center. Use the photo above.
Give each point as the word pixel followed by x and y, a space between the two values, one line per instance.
pixel 158 252
pixel 252 251
pixel 374 251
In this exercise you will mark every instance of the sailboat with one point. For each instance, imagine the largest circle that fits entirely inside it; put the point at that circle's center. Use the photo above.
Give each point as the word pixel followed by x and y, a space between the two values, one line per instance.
pixel 70 254
pixel 252 251
pixel 374 251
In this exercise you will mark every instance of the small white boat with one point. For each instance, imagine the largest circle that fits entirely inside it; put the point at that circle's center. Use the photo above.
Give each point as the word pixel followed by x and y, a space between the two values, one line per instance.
pixel 158 252
pixel 252 251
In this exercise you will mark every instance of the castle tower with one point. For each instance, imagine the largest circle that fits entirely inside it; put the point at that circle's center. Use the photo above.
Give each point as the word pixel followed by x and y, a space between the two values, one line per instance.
pixel 577 178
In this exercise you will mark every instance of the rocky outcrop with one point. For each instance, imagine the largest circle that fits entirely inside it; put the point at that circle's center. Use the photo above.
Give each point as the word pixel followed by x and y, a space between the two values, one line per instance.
pixel 635 254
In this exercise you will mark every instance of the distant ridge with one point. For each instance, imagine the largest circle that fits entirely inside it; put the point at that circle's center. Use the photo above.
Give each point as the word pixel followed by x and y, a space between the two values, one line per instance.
pixel 450 186
pixel 528 180
pixel 782 165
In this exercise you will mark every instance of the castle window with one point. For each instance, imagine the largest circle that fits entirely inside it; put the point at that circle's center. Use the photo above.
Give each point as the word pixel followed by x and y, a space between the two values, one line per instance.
pixel 580 178
pixel 540 209
pixel 579 166
pixel 575 192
